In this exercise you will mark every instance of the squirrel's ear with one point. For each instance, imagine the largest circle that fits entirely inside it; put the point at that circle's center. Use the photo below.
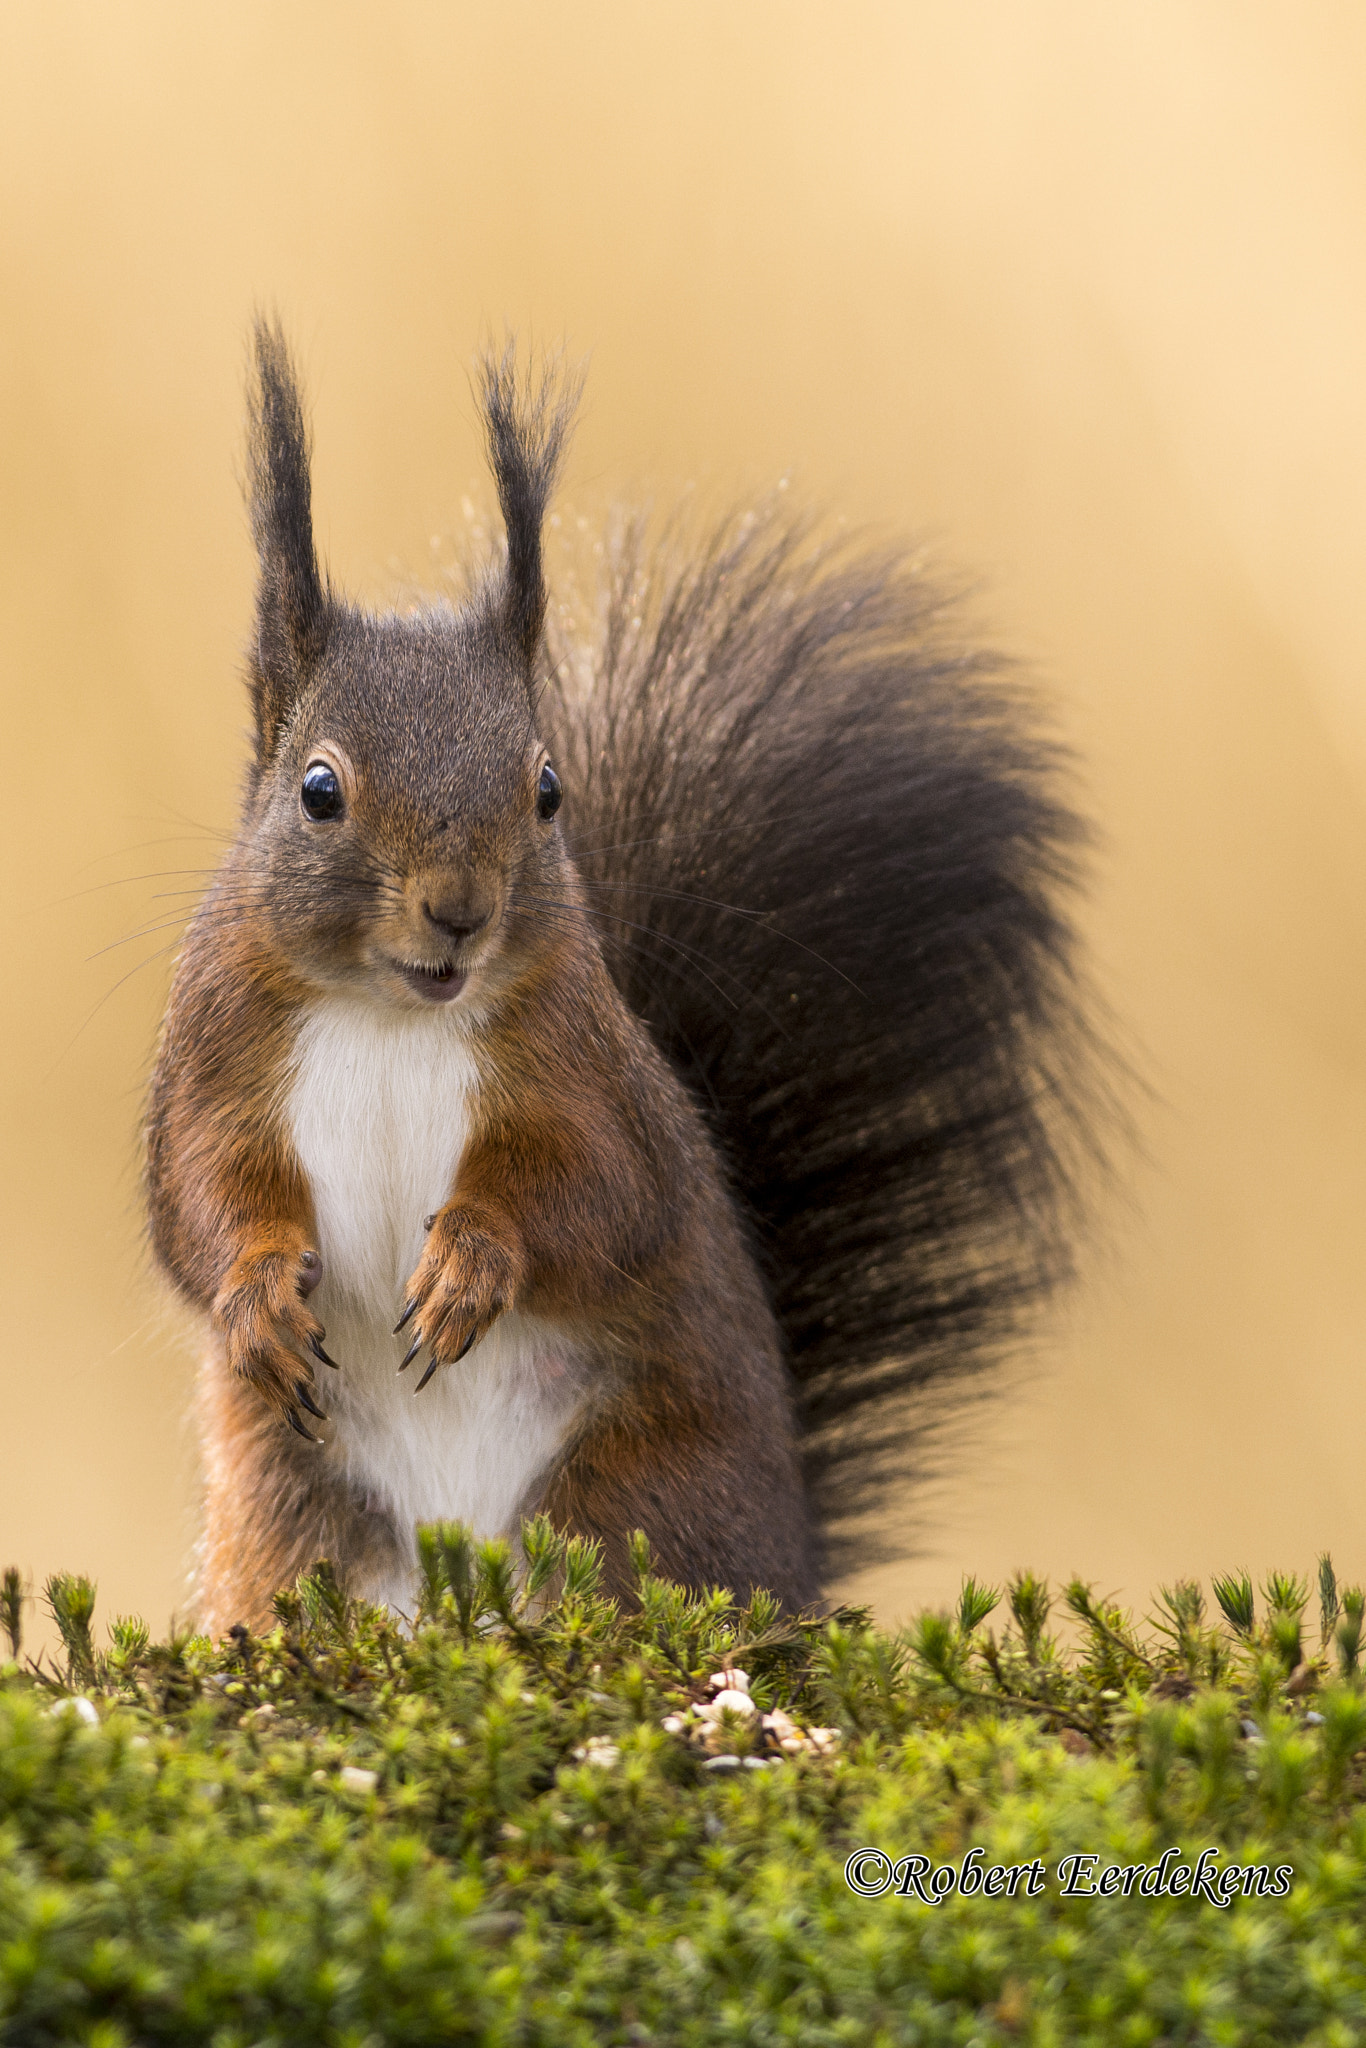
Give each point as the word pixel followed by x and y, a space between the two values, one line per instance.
pixel 527 428
pixel 291 602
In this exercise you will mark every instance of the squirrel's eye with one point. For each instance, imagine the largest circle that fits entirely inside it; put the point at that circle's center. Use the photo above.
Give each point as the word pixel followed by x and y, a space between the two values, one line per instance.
pixel 548 793
pixel 321 794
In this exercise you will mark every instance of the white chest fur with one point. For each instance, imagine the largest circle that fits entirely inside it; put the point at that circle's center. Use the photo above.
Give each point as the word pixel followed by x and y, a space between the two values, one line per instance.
pixel 379 1107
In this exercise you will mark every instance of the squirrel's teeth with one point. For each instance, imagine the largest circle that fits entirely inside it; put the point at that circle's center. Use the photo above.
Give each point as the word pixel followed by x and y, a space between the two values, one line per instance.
pixel 439 984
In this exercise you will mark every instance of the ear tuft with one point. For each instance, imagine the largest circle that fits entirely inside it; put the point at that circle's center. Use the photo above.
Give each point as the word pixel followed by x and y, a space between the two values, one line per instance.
pixel 291 602
pixel 527 421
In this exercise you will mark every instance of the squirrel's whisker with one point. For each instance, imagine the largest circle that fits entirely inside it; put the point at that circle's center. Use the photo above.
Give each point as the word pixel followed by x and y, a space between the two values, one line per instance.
pixel 615 917
pixel 700 961
pixel 127 882
pixel 759 917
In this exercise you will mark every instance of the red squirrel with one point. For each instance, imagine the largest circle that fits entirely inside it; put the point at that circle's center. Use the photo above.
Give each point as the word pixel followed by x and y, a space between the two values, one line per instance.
pixel 639 1160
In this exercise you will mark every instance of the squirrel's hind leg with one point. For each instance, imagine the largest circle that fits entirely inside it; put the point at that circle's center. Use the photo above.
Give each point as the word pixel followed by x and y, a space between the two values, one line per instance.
pixel 720 1499
pixel 273 1505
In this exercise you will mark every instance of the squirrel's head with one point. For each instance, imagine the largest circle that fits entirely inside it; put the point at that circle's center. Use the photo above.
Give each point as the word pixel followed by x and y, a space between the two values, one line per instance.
pixel 400 795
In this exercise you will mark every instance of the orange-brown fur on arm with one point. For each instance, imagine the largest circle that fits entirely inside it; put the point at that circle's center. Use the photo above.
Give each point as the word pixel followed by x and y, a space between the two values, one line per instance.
pixel 231 1216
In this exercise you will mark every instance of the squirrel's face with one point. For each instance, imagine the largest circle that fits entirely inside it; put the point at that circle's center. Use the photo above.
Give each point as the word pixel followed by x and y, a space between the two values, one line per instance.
pixel 408 801
pixel 401 798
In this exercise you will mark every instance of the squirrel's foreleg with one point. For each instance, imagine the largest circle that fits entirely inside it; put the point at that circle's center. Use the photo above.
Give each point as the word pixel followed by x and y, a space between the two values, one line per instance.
pixel 230 1209
pixel 262 1317
pixel 468 1275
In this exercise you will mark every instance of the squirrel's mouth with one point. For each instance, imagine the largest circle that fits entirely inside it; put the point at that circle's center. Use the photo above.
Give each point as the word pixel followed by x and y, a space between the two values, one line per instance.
pixel 441 984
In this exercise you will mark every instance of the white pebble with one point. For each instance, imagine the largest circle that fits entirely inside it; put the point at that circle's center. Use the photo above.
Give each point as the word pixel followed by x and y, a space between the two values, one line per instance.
pixel 598 1750
pixel 357 1780
pixel 737 1702
pixel 84 1709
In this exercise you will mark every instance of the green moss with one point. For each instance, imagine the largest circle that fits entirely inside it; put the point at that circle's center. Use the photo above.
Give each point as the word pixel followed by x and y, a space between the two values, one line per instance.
pixel 347 1833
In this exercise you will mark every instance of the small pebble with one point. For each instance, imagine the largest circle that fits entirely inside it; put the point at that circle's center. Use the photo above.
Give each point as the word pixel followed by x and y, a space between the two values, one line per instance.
pixel 357 1780
pixel 598 1750
pixel 84 1710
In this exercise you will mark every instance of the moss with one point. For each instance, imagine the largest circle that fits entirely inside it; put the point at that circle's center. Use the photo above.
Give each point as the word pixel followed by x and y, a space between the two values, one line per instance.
pixel 479 1829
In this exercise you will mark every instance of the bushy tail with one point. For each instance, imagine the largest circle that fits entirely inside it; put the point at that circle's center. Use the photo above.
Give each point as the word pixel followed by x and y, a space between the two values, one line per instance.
pixel 830 859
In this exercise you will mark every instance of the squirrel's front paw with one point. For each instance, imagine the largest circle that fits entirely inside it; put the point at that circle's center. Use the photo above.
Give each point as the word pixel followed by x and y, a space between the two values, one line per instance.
pixel 465 1279
pixel 262 1312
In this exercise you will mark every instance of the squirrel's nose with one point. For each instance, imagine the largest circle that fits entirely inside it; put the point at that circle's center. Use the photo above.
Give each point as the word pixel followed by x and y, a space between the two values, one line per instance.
pixel 458 919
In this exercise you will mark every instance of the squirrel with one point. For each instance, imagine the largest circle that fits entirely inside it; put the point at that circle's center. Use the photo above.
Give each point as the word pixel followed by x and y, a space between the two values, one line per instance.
pixel 640 1161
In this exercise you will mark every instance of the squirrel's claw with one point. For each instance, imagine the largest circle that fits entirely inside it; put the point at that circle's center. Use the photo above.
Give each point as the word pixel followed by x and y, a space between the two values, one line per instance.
pixel 315 1345
pixel 292 1416
pixel 306 1400
pixel 465 1279
pixel 411 1353
pixel 409 1311
pixel 479 1329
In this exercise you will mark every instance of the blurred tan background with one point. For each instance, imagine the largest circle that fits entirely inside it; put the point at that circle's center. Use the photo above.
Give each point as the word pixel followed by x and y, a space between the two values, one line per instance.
pixel 1078 293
